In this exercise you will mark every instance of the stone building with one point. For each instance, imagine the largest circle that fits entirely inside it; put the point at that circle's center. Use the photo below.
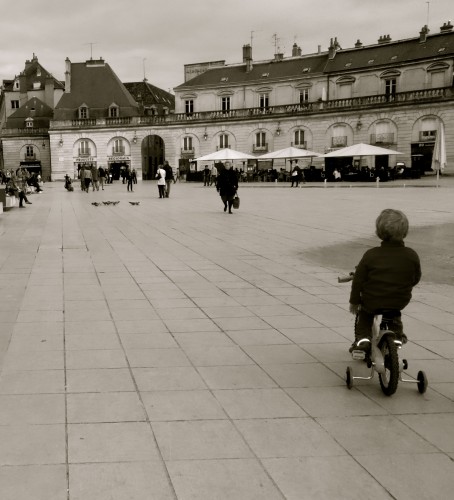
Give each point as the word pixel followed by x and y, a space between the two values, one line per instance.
pixel 26 108
pixel 395 94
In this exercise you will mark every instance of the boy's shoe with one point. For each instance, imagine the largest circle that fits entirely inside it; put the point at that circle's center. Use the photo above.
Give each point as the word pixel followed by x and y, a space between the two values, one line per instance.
pixel 401 338
pixel 362 345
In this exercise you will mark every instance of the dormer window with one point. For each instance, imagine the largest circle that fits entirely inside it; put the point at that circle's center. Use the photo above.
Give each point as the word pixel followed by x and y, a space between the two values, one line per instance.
pixel 36 85
pixel 16 85
pixel 114 111
pixel 265 75
pixel 38 72
pixel 29 122
pixel 83 112
pixel 224 79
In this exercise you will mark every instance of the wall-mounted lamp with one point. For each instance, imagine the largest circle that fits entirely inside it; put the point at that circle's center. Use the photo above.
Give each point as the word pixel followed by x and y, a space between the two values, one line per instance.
pixel 134 139
pixel 205 135
pixel 43 145
pixel 60 142
pixel 278 130
pixel 359 124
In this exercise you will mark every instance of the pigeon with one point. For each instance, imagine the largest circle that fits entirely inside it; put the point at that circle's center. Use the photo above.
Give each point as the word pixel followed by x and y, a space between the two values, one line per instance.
pixel 106 202
pixel 96 204
pixel 134 202
pixel 115 202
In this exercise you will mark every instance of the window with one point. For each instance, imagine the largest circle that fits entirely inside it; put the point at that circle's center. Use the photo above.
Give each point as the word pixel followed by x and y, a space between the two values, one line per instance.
pixel 345 91
pixel 83 112
pixel 225 103
pixel 390 87
pixel 29 151
pixel 437 79
pixel 118 147
pixel 299 138
pixel 36 85
pixel 14 104
pixel 264 100
pixel 29 122
pixel 187 143
pixel 113 112
pixel 84 148
pixel 223 141
pixel 260 139
pixel 304 96
pixel 189 106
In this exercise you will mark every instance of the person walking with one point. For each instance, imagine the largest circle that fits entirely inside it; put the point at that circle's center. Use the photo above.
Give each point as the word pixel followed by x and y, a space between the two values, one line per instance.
pixel 227 186
pixel 102 176
pixel 213 175
pixel 169 177
pixel 129 179
pixel 206 176
pixel 161 176
pixel 87 179
pixel 295 177
pixel 95 178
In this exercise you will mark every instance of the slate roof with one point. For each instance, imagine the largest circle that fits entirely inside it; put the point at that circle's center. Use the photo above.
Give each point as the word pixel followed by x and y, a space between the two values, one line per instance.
pixel 383 54
pixel 439 45
pixel 33 108
pixel 33 72
pixel 236 74
pixel 149 95
pixel 95 85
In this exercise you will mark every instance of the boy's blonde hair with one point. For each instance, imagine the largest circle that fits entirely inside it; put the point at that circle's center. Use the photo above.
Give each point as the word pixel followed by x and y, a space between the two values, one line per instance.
pixel 391 225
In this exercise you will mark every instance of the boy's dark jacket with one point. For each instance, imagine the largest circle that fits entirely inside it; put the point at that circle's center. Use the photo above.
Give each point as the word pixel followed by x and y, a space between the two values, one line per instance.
pixel 385 276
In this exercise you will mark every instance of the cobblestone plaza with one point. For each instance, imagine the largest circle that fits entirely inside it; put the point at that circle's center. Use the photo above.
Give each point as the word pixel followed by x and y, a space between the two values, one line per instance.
pixel 169 350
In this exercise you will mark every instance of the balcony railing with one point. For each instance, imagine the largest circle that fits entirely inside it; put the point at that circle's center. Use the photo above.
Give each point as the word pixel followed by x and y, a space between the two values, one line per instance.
pixel 30 157
pixel 354 103
pixel 427 136
pixel 187 151
pixel 85 152
pixel 24 131
pixel 339 141
pixel 300 145
pixel 385 138
pixel 262 148
pixel 118 151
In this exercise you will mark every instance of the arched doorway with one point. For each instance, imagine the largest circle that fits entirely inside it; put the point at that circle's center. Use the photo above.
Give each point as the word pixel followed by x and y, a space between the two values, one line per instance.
pixel 153 154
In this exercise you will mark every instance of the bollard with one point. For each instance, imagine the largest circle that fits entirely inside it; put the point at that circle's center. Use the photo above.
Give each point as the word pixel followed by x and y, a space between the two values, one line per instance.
pixel 325 182
pixel 377 181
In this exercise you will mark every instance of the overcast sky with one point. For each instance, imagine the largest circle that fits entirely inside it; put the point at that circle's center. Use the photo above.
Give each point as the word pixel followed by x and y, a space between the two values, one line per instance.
pixel 156 38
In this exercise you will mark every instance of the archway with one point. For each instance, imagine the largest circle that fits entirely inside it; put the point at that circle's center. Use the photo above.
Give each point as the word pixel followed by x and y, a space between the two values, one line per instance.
pixel 153 154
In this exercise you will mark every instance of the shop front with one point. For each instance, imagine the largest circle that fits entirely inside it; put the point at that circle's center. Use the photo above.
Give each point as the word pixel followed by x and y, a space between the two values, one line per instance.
pixel 83 161
pixel 116 164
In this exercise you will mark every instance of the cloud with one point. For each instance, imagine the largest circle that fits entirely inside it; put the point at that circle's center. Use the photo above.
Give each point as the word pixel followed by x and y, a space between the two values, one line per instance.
pixel 172 33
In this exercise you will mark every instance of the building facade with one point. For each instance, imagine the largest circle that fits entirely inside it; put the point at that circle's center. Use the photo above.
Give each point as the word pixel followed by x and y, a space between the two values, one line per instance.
pixel 26 108
pixel 391 94
pixel 396 94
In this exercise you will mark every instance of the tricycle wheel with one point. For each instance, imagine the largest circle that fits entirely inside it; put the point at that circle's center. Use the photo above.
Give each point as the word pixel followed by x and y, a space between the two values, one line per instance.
pixel 422 382
pixel 390 378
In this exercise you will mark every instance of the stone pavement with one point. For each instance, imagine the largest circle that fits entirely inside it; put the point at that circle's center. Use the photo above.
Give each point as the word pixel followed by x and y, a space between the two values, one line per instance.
pixel 172 351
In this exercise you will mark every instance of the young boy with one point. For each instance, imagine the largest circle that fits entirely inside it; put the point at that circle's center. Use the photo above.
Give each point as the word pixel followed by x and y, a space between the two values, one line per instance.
pixel 384 279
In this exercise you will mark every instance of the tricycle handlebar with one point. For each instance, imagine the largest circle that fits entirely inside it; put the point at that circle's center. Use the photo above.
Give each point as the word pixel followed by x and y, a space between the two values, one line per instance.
pixel 346 279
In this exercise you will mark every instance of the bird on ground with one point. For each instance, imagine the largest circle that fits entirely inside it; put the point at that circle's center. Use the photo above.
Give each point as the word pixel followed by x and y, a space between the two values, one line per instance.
pixel 115 202
pixel 134 202
pixel 96 204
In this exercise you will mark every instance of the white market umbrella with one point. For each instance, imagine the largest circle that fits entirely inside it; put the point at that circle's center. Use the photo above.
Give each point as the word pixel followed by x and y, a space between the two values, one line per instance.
pixel 288 153
pixel 439 153
pixel 360 150
pixel 226 154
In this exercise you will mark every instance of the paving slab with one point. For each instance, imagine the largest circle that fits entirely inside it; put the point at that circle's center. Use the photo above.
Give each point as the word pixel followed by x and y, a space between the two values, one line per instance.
pixel 170 350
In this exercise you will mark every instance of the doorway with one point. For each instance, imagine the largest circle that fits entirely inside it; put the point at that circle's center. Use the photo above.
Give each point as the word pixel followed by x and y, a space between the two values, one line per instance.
pixel 153 154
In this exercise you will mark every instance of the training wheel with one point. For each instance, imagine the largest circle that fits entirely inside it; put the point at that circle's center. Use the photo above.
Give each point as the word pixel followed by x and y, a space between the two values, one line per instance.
pixel 422 382
pixel 405 364
pixel 349 377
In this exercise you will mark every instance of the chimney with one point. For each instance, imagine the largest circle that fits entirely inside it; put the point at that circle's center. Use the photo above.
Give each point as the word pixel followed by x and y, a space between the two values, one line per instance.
pixel 358 44
pixel 423 34
pixel 49 91
pixel 67 75
pixel 331 49
pixel 384 39
pixel 296 51
pixel 319 49
pixel 28 63
pixel 278 57
pixel 247 57
pixel 446 28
